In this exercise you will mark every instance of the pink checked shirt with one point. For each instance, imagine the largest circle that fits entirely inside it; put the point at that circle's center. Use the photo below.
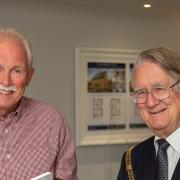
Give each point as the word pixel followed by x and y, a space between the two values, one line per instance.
pixel 33 140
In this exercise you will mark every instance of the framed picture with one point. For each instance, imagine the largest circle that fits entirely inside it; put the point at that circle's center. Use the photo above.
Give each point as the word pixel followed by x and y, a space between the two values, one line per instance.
pixel 105 112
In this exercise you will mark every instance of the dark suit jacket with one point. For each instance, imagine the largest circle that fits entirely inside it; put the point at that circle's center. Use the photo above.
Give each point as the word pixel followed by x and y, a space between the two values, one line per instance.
pixel 143 163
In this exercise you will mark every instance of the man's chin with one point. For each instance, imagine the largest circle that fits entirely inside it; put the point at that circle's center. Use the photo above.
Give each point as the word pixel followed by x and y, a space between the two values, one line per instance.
pixel 158 128
pixel 7 106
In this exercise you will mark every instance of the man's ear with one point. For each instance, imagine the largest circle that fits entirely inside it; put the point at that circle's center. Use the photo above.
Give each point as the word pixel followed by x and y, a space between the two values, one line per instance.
pixel 29 75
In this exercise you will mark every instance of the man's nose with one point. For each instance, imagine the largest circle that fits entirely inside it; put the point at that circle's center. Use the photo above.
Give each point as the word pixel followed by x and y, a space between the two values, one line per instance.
pixel 5 79
pixel 151 100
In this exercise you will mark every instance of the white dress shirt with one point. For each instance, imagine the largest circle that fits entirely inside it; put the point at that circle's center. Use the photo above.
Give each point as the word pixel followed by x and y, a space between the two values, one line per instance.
pixel 173 151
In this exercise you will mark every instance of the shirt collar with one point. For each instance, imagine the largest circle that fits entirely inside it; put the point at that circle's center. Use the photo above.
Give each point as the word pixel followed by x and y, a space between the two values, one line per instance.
pixel 173 140
pixel 18 112
pixel 15 115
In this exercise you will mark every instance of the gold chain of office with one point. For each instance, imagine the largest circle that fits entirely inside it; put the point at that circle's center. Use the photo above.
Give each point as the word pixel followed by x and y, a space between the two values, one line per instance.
pixel 129 164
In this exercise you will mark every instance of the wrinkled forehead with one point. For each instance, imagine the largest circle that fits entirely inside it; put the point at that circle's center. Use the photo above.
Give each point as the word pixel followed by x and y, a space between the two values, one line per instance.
pixel 12 45
pixel 148 73
pixel 14 50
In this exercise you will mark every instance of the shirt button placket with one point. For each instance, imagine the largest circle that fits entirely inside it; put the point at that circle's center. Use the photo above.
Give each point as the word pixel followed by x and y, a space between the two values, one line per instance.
pixel 6 131
pixel 8 159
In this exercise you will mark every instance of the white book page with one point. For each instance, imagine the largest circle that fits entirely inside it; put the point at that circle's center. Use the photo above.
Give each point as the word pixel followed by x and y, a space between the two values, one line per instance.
pixel 44 176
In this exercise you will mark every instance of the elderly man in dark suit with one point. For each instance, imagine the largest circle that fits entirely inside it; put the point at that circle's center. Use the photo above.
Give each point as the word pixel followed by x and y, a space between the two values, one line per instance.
pixel 156 91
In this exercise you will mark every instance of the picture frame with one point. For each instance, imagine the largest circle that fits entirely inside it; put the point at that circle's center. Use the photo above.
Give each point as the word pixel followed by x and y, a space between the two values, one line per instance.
pixel 105 112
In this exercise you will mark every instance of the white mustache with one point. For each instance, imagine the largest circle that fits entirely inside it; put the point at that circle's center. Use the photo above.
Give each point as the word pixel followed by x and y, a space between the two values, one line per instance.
pixel 7 88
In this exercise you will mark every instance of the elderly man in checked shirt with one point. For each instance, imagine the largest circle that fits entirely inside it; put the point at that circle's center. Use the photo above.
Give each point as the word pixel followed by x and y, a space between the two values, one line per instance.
pixel 34 137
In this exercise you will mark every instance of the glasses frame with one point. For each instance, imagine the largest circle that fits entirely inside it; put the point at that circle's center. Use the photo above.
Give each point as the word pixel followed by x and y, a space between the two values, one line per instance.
pixel 147 92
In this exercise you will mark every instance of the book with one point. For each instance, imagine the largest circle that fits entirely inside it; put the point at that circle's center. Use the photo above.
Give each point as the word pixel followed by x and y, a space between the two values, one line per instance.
pixel 44 176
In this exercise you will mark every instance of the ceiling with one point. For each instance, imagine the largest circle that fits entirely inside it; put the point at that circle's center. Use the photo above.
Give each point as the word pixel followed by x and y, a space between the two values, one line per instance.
pixel 129 5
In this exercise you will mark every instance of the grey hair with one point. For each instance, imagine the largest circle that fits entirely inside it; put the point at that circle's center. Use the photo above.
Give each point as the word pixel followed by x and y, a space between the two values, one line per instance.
pixel 12 34
pixel 166 58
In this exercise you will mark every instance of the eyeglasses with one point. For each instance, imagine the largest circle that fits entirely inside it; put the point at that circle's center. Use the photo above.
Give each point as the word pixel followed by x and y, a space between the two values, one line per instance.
pixel 159 92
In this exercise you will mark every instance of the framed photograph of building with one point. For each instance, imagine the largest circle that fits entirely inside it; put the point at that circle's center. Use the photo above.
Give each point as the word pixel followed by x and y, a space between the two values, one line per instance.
pixel 105 113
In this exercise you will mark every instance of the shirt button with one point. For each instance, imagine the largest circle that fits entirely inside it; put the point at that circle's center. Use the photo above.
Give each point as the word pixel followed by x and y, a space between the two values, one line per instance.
pixel 8 156
pixel 6 131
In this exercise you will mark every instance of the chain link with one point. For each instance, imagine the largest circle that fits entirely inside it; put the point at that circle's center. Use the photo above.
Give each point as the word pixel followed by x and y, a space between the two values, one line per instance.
pixel 129 164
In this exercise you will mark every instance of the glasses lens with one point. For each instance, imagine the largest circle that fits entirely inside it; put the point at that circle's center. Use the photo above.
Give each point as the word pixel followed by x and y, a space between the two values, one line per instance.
pixel 139 96
pixel 160 92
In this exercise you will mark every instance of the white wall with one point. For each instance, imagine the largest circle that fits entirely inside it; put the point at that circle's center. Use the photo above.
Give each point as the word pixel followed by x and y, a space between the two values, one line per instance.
pixel 55 30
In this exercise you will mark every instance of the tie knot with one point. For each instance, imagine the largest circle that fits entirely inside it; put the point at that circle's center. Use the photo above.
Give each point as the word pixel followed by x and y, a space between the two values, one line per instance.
pixel 163 144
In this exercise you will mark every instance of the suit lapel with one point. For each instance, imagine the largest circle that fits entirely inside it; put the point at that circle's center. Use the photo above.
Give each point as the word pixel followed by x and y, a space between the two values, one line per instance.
pixel 146 166
pixel 149 165
pixel 176 174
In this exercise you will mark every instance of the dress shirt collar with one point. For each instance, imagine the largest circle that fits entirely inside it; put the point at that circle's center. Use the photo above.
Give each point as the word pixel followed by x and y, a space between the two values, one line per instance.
pixel 173 140
pixel 15 115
